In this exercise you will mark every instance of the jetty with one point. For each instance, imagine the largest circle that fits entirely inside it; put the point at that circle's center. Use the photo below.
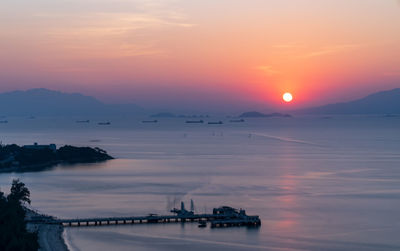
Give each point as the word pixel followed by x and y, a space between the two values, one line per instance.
pixel 221 217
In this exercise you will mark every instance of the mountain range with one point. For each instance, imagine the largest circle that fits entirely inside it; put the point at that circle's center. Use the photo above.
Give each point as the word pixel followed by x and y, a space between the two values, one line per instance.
pixel 384 102
pixel 44 102
pixel 254 114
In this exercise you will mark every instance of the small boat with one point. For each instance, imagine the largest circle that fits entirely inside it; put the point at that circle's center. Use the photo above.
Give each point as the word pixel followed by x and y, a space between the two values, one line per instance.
pixel 216 123
pixel 104 123
pixel 82 121
pixel 194 122
pixel 202 223
pixel 237 121
pixel 150 121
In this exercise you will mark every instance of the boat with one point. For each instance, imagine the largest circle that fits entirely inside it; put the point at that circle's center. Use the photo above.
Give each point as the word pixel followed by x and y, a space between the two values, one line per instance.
pixel 150 121
pixel 194 122
pixel 237 121
pixel 216 123
pixel 104 123
pixel 229 217
pixel 82 121
pixel 202 224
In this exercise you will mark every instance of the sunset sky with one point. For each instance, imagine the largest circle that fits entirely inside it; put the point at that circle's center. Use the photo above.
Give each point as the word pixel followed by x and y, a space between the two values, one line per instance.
pixel 203 54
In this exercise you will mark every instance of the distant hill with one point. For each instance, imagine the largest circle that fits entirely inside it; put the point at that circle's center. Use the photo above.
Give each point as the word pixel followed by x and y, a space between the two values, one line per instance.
pixel 385 102
pixel 262 115
pixel 44 102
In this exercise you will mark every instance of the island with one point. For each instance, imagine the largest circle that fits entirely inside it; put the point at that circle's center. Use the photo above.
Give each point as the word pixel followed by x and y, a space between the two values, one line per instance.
pixel 14 158
pixel 262 115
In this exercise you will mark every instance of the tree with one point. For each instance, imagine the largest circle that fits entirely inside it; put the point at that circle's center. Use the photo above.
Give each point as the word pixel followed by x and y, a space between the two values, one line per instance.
pixel 19 192
pixel 13 233
pixel 3 199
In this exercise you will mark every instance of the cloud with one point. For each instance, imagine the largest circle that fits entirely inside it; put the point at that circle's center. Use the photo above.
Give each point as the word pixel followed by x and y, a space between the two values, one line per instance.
pixel 101 28
pixel 268 69
pixel 332 49
pixel 304 50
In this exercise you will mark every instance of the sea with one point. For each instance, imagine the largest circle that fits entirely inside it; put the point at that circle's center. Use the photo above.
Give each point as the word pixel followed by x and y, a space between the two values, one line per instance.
pixel 317 182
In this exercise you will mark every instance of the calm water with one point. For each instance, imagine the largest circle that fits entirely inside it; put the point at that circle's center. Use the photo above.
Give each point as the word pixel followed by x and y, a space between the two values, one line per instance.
pixel 318 184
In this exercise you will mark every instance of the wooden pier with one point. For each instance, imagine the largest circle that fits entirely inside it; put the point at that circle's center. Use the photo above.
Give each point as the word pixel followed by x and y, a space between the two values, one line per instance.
pixel 128 220
pixel 216 220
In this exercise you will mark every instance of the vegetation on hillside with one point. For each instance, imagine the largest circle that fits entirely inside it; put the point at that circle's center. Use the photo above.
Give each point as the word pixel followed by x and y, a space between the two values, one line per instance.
pixel 13 233
pixel 16 157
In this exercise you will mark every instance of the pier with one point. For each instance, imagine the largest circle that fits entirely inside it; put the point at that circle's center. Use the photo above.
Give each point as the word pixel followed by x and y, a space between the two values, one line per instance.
pixel 221 217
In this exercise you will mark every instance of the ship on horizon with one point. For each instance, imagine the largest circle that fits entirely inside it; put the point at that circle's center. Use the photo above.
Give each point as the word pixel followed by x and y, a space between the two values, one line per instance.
pixel 104 123
pixel 149 121
pixel 215 123
pixel 194 121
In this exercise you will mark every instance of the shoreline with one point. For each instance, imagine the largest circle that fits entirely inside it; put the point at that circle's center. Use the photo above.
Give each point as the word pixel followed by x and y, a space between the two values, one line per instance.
pixel 46 166
pixel 19 158
pixel 37 167
pixel 50 237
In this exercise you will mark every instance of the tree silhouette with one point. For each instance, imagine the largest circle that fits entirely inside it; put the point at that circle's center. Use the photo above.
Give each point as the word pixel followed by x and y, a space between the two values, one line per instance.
pixel 19 192
pixel 13 233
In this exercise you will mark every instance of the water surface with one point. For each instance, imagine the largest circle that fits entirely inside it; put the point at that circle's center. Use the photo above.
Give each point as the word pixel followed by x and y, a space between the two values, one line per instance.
pixel 317 184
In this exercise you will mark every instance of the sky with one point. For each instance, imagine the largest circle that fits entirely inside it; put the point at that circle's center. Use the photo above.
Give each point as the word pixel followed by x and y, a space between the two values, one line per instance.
pixel 202 54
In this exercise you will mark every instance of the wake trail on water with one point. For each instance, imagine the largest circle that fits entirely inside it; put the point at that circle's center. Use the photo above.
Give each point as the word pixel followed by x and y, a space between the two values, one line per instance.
pixel 287 140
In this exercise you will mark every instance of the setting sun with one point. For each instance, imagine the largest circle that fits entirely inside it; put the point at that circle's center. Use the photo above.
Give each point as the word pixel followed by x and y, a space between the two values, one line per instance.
pixel 287 97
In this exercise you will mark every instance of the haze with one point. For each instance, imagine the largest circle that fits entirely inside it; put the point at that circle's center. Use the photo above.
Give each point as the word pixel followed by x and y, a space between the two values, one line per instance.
pixel 202 54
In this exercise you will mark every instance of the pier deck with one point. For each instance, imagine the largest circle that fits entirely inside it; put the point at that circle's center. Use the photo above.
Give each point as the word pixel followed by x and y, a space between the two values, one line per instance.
pixel 221 217
pixel 218 219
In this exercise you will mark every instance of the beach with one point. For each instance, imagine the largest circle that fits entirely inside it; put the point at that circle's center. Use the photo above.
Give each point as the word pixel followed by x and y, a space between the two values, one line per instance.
pixel 49 236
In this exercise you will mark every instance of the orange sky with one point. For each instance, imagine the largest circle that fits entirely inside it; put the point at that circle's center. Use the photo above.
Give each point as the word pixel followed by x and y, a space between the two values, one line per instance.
pixel 202 54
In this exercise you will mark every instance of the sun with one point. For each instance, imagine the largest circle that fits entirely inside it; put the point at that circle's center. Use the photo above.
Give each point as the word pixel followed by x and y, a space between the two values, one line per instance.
pixel 287 97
